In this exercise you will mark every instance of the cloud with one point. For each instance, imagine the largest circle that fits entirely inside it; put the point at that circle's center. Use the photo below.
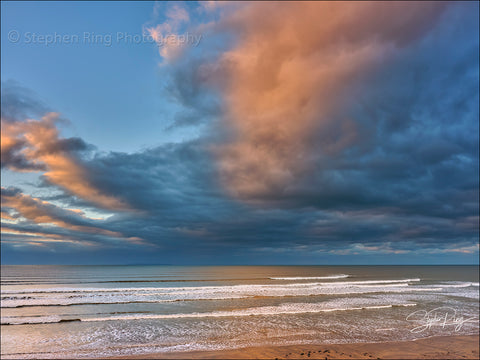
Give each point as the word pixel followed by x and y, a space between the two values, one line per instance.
pixel 19 102
pixel 21 208
pixel 171 43
pixel 329 130
pixel 331 106
pixel 292 74
pixel 188 84
pixel 36 145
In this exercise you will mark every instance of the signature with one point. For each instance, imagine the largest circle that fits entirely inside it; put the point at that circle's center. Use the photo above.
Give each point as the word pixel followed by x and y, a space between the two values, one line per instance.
pixel 442 316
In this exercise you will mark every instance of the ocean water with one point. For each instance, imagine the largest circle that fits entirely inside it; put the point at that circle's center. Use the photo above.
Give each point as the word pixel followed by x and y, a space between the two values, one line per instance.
pixel 99 311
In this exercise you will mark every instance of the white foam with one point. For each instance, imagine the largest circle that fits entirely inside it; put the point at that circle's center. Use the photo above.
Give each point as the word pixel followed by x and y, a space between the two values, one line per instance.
pixel 284 309
pixel 76 296
pixel 459 285
pixel 344 283
pixel 382 285
pixel 341 276
pixel 12 320
pixel 203 288
pixel 339 304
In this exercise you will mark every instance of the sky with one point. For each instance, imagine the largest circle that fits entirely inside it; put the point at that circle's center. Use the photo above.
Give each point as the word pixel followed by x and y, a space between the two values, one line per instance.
pixel 240 133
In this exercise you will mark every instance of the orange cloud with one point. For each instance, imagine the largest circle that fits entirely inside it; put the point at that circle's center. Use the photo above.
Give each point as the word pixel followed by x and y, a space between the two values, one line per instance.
pixel 40 238
pixel 166 34
pixel 36 145
pixel 289 77
pixel 43 212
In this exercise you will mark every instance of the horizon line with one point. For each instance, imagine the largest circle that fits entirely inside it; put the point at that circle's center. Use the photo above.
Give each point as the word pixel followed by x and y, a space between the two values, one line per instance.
pixel 152 264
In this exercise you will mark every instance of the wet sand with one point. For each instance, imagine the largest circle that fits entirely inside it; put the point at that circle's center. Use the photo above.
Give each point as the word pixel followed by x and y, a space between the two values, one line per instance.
pixel 444 347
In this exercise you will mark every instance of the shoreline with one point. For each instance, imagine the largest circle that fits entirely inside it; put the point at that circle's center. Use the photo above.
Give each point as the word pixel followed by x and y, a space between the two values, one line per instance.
pixel 436 347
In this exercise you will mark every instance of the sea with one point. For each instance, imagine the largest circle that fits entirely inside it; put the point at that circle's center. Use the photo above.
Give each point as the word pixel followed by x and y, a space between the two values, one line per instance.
pixel 100 311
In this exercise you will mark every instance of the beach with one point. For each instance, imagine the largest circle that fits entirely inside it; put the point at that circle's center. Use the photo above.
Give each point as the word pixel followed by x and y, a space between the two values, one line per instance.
pixel 273 312
pixel 438 347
